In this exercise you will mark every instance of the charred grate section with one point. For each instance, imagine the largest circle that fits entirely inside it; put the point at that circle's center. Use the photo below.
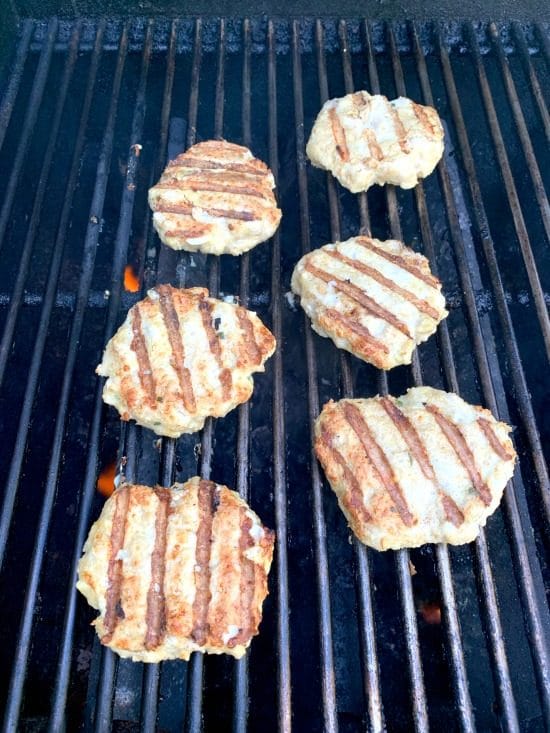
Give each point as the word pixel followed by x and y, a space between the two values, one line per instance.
pixel 441 637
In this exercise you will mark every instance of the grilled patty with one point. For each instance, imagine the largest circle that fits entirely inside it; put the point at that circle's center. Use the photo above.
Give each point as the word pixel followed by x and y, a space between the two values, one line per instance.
pixel 215 198
pixel 176 570
pixel 376 299
pixel 364 139
pixel 180 357
pixel 426 467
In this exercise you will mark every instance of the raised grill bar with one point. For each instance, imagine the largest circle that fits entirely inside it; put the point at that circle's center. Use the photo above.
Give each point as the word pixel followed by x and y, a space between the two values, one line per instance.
pixel 326 659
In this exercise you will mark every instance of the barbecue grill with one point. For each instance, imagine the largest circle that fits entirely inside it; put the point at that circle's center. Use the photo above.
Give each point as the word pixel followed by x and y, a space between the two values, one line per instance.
pixel 440 637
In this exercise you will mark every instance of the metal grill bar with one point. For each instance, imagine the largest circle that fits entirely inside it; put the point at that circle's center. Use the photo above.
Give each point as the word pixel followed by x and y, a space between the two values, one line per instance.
pixel 109 661
pixel 497 407
pixel 10 95
pixel 520 384
pixel 441 551
pixel 527 583
pixel 90 246
pixel 511 192
pixel 15 303
pixel 519 118
pixel 279 467
pixel 325 622
pixel 28 126
pixel 535 86
pixel 370 660
pixel 544 40
pixel 486 579
pixel 240 679
pixel 418 693
pixel 23 269
pixel 119 260
pixel 193 719
pixel 152 672
pixel 196 664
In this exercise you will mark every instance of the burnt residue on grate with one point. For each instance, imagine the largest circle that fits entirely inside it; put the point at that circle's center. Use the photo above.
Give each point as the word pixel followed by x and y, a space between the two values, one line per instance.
pixel 451 638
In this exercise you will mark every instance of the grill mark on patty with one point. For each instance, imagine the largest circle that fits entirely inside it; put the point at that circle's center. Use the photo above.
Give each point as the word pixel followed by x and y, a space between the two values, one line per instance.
pixel 400 132
pixel 205 308
pixel 458 443
pixel 451 509
pixel 139 347
pixel 115 577
pixel 208 501
pixel 378 460
pixel 423 117
pixel 232 214
pixel 353 497
pixel 160 207
pixel 372 141
pixel 220 187
pixel 172 325
pixel 398 260
pixel 339 134
pixel 420 304
pixel 359 330
pixel 155 619
pixel 359 296
pixel 247 584
pixel 191 163
pixel 493 440
pixel 192 232
pixel 186 208
pixel 411 437
pixel 252 350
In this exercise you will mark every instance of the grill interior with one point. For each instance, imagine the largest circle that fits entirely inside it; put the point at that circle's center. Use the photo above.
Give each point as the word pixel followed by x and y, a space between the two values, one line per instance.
pixel 450 638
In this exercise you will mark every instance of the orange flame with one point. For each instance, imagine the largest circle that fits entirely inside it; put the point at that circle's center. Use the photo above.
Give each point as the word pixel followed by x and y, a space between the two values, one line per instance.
pixel 106 479
pixel 430 612
pixel 131 280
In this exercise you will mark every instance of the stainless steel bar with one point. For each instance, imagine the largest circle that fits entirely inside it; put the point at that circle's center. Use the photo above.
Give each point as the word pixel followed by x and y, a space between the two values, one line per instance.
pixel 5 346
pixel 349 86
pixel 24 262
pixel 495 631
pixel 152 672
pixel 519 535
pixel 193 670
pixel 104 701
pixel 518 376
pixel 418 693
pixel 521 43
pixel 92 234
pixel 504 685
pixel 33 107
pixel 195 80
pixel 515 104
pixel 109 661
pixel 240 680
pixel 334 211
pixel 194 712
pixel 453 631
pixel 63 669
pixel 279 464
pixel 371 675
pixel 10 95
pixel 328 682
pixel 511 191
pixel 544 39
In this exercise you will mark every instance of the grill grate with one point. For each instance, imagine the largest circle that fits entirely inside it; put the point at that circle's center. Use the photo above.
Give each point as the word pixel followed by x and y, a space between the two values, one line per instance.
pixel 89 116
